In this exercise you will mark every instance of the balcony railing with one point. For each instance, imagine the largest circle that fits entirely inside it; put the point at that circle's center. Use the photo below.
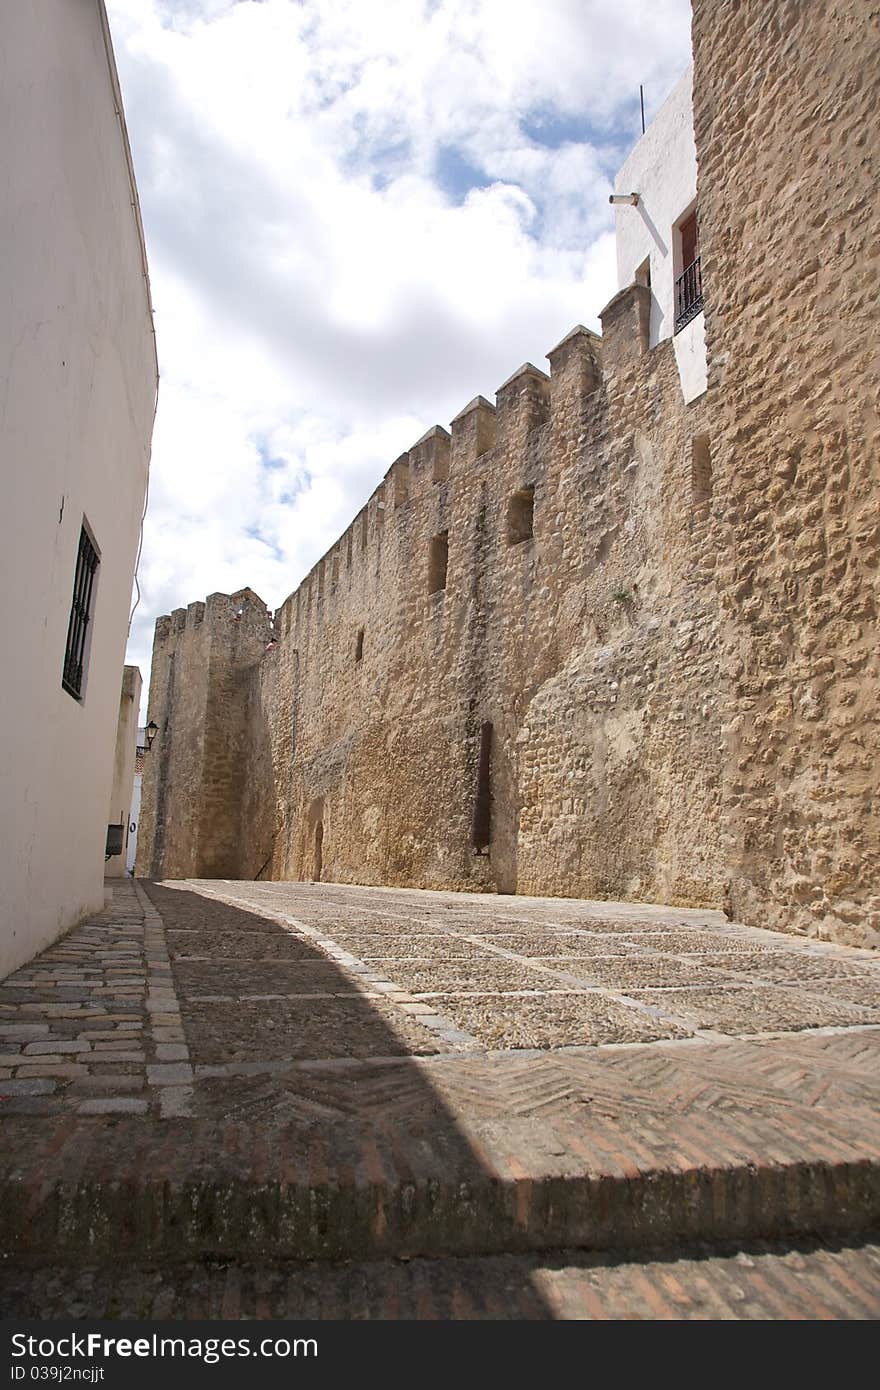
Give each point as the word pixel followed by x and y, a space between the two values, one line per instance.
pixel 688 295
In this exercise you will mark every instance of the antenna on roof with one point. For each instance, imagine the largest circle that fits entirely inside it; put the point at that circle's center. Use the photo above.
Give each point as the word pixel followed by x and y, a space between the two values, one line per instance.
pixel 642 103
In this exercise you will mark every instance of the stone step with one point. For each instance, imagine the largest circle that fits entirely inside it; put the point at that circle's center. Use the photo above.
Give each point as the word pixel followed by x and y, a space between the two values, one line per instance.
pixel 179 1190
pixel 806 1279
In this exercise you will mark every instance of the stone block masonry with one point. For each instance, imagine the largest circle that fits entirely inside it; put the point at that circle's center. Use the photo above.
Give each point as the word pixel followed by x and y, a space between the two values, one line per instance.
pixel 193 797
pixel 785 102
pixel 537 584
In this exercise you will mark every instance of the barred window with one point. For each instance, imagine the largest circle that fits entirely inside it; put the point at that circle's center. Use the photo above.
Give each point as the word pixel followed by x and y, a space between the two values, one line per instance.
pixel 80 615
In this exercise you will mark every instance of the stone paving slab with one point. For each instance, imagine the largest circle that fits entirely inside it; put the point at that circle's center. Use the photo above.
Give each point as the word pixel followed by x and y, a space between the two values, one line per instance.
pixel 547 944
pixel 230 947
pixel 322 1126
pixel 461 976
pixel 552 1020
pixel 373 945
pixel 242 978
pixel 740 1009
pixel 278 1029
pixel 791 967
pixel 807 1280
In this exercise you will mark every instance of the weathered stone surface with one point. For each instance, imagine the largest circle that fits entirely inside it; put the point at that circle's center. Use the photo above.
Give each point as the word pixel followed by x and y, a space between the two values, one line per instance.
pixel 113 1105
pixel 784 111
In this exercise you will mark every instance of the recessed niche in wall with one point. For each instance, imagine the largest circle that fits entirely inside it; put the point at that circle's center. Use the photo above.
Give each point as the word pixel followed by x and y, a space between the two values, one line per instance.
pixel 701 474
pixel 438 562
pixel 521 516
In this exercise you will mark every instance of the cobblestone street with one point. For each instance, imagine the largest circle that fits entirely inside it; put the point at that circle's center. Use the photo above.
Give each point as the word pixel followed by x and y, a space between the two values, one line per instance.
pixel 261 1074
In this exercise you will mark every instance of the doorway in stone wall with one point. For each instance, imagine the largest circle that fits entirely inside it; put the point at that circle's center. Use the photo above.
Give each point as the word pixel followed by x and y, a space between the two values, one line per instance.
pixel 319 850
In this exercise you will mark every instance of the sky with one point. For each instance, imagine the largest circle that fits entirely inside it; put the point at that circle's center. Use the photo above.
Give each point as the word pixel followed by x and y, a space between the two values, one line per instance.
pixel 359 215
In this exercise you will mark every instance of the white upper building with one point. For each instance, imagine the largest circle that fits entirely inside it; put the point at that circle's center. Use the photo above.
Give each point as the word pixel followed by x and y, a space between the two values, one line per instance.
pixel 78 381
pixel 658 234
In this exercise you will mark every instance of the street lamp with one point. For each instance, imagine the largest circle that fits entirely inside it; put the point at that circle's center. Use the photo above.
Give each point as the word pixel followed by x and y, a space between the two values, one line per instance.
pixel 150 733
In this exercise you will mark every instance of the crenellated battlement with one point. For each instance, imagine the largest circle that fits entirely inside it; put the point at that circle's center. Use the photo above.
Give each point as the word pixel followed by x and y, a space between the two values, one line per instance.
pixel 217 612
pixel 528 400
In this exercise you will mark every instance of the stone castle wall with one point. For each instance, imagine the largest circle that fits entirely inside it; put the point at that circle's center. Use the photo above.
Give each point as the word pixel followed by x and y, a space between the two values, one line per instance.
pixel 669 690
pixel 785 102
pixel 588 646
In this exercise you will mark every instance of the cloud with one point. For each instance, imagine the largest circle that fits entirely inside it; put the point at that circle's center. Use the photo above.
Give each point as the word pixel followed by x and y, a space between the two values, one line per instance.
pixel 359 214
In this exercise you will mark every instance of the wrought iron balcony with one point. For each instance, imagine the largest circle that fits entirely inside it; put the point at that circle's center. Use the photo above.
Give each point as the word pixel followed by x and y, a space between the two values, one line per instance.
pixel 688 295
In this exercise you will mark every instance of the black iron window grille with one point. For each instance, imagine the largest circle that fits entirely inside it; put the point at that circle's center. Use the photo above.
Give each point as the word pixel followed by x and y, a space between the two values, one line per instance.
pixel 80 614
pixel 688 295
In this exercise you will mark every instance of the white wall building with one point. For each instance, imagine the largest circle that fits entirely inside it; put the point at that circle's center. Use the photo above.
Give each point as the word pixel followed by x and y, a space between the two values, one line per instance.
pixel 121 793
pixel 78 381
pixel 135 812
pixel 658 235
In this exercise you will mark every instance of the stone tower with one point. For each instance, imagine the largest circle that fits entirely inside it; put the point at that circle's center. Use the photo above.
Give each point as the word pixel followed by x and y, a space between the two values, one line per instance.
pixel 204 658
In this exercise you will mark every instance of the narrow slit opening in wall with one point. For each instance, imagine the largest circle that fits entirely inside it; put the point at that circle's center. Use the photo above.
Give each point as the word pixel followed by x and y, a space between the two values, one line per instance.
pixel 701 474
pixel 438 562
pixel 481 825
pixel 319 850
pixel 359 646
pixel 521 516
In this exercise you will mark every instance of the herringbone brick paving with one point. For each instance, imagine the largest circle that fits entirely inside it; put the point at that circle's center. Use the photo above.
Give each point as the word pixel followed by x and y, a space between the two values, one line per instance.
pixel 319 1070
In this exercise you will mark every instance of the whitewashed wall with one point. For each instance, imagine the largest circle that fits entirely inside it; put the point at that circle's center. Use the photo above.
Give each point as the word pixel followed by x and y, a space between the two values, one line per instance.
pixel 662 169
pixel 78 383
pixel 119 809
pixel 134 822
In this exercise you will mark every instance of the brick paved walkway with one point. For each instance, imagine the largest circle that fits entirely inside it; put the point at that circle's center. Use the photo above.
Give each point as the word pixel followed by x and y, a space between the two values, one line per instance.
pixel 281 1071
